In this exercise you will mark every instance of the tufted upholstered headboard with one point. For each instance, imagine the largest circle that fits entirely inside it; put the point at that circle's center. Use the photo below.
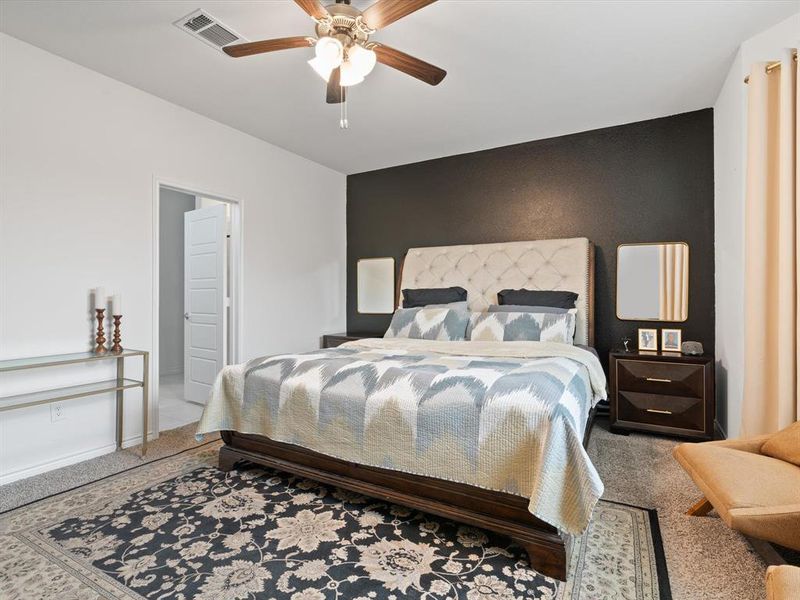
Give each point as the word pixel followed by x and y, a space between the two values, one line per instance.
pixel 485 269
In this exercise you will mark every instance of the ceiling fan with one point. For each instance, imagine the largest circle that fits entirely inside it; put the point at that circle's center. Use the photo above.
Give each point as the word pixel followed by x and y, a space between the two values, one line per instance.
pixel 344 52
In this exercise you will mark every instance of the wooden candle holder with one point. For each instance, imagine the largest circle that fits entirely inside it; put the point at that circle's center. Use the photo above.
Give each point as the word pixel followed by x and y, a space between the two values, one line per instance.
pixel 117 337
pixel 100 348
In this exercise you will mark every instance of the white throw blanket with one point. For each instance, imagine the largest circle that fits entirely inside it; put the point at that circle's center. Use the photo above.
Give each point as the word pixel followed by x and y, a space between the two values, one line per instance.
pixel 506 416
pixel 497 350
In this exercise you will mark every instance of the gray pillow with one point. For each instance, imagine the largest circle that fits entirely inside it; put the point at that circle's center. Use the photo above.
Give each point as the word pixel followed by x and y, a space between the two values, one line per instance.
pixel 561 298
pixel 522 308
pixel 418 297
pixel 453 305
pixel 427 323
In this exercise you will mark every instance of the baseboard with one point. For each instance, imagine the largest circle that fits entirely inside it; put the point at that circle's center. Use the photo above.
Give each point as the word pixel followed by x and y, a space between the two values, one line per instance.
pixel 135 440
pixel 72 459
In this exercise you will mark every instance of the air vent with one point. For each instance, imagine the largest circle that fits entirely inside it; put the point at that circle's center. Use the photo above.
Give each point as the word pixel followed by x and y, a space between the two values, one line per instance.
pixel 208 29
pixel 218 35
pixel 198 22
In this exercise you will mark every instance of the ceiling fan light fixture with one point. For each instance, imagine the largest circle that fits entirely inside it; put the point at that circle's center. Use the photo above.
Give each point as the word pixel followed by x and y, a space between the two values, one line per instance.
pixel 344 54
pixel 322 67
pixel 330 50
pixel 350 74
pixel 362 59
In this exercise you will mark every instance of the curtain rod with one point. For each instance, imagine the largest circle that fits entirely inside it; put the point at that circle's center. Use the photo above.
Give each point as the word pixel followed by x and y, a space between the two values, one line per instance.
pixel 772 66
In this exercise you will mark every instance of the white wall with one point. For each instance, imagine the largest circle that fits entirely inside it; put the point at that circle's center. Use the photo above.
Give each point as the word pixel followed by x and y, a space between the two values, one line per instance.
pixel 730 138
pixel 170 279
pixel 79 155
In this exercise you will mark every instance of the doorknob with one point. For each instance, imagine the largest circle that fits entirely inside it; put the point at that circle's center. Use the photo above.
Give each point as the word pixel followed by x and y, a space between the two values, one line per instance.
pixel 186 316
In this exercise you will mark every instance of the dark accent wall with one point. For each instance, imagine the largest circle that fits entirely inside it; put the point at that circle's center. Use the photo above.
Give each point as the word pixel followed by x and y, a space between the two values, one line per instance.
pixel 651 181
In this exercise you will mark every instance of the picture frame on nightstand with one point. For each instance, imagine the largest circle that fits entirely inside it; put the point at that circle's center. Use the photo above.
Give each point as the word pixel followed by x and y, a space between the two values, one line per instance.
pixel 648 340
pixel 670 340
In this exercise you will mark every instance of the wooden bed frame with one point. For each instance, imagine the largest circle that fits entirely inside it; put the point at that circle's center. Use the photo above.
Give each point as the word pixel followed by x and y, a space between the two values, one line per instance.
pixel 548 550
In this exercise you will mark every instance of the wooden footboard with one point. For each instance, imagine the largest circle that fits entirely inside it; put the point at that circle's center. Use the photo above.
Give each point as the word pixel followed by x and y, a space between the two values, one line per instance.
pixel 503 513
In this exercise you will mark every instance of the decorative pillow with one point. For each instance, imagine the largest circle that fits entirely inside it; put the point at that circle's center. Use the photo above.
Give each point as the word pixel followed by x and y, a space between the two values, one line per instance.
pixel 414 297
pixel 428 324
pixel 784 445
pixel 462 306
pixel 555 298
pixel 522 327
pixel 522 308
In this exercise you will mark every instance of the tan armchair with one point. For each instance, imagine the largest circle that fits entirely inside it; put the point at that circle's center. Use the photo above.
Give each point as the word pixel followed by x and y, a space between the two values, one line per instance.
pixel 753 491
pixel 783 583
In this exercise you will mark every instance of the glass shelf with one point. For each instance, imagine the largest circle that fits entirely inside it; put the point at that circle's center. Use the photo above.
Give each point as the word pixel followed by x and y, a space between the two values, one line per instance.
pixel 117 385
pixel 66 393
pixel 17 364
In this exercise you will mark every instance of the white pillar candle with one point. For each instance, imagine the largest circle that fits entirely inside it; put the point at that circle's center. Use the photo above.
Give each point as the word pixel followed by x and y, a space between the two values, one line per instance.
pixel 116 304
pixel 100 297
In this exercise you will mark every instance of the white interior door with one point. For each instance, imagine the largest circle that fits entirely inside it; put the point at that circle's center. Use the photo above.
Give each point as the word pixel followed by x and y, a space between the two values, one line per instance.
pixel 204 296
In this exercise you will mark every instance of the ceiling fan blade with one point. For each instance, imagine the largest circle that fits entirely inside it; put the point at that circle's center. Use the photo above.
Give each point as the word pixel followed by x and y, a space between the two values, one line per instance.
pixel 336 93
pixel 386 12
pixel 409 65
pixel 250 48
pixel 313 8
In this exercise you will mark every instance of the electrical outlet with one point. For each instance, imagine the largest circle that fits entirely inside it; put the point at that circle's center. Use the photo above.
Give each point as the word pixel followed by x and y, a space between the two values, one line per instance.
pixel 57 412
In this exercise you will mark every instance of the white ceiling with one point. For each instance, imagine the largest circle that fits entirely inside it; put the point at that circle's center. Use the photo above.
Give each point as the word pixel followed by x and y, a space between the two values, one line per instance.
pixel 517 70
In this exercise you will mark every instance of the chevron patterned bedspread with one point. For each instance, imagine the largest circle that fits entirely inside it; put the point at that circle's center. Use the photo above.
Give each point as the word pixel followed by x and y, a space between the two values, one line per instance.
pixel 506 416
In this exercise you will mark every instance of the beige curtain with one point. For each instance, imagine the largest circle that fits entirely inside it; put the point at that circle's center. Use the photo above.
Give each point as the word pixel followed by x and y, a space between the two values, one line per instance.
pixel 673 267
pixel 771 250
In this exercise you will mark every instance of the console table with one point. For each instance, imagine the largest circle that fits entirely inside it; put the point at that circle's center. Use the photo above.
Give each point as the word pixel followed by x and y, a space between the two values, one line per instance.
pixel 118 385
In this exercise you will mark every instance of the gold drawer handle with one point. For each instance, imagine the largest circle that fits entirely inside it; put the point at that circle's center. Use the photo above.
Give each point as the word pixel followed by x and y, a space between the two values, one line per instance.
pixel 657 379
pixel 660 412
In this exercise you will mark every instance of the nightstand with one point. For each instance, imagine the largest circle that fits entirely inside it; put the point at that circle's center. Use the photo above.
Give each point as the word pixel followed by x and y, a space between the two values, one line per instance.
pixel 332 340
pixel 662 392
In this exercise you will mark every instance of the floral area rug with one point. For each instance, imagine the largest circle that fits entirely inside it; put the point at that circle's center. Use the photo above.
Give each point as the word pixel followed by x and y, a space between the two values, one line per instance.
pixel 179 528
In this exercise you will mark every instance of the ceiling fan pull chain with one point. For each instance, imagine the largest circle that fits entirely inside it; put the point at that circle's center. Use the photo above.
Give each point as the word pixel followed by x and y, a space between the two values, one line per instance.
pixel 343 124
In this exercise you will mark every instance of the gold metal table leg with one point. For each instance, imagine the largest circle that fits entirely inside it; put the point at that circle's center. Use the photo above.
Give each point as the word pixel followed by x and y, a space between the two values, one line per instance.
pixel 120 377
pixel 145 394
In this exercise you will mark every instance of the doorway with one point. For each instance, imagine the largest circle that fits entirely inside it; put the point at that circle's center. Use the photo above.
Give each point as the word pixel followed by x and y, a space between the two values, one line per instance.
pixel 197 249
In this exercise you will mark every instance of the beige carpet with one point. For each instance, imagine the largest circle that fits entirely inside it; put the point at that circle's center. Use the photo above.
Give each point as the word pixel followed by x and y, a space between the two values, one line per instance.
pixel 37 487
pixel 705 559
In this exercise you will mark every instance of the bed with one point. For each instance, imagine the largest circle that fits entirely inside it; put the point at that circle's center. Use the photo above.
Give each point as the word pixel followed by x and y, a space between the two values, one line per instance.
pixel 326 415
